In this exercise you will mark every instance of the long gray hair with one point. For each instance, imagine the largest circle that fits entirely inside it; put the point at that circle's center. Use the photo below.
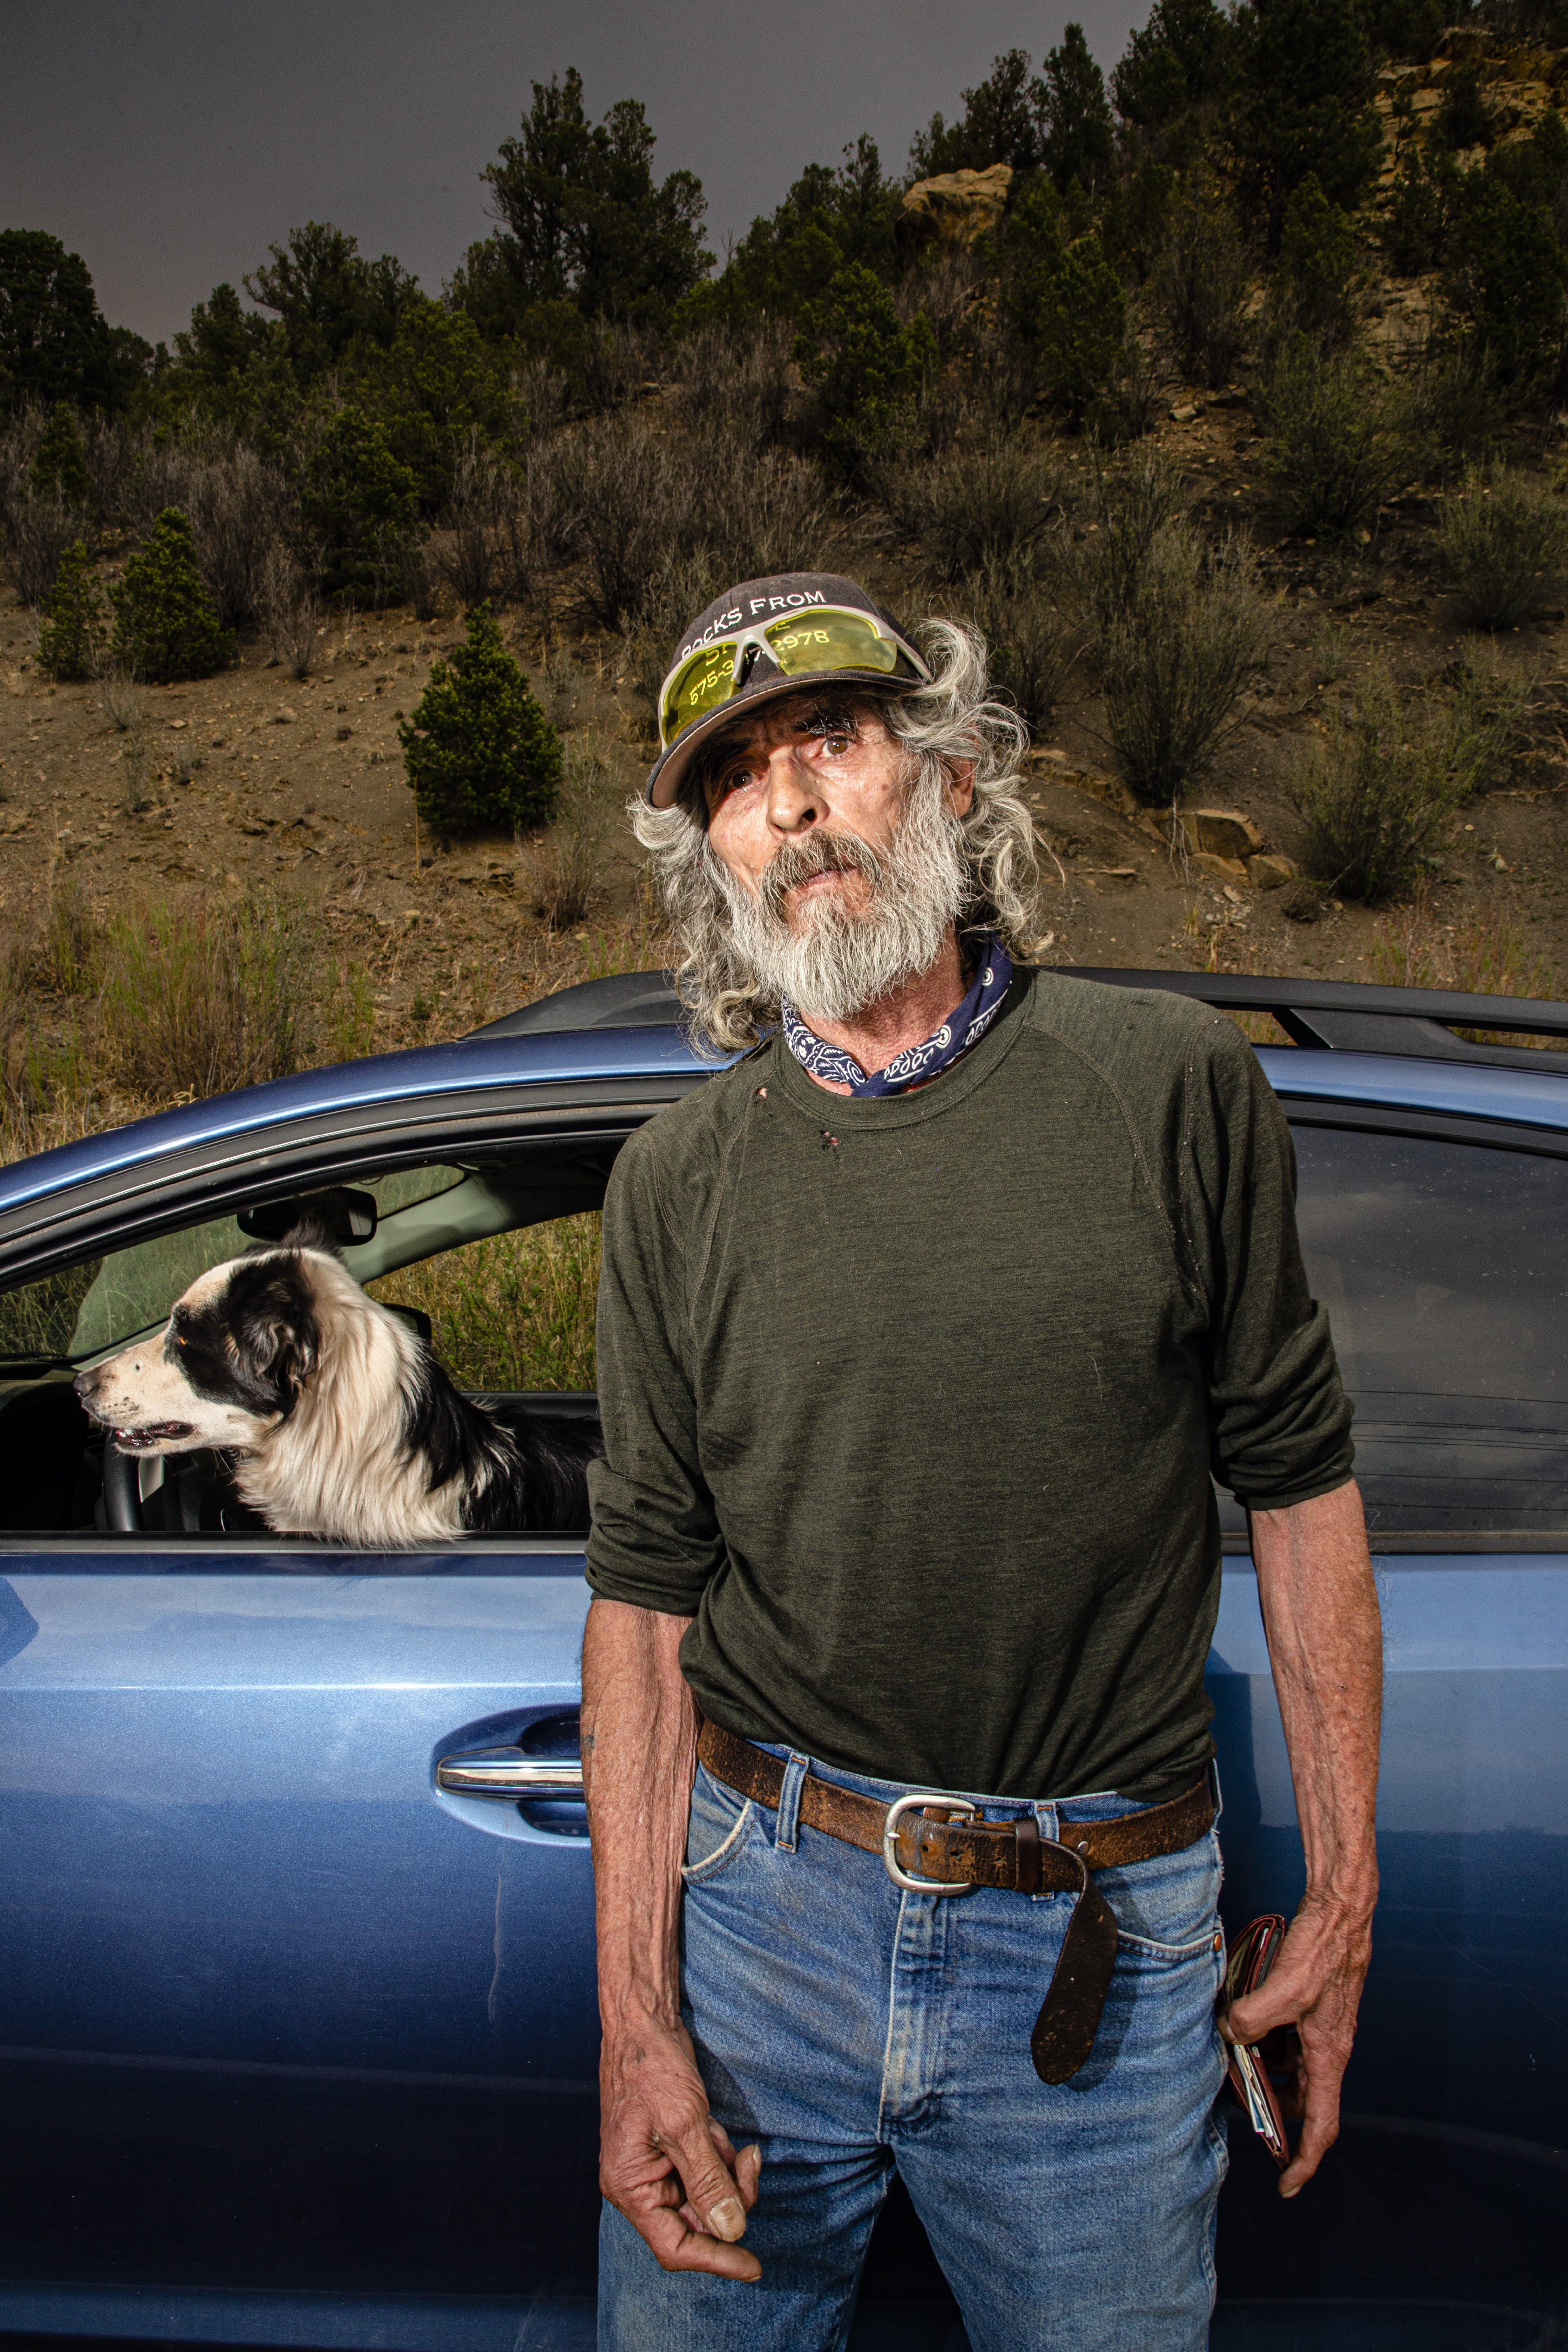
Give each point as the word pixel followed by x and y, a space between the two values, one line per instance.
pixel 952 719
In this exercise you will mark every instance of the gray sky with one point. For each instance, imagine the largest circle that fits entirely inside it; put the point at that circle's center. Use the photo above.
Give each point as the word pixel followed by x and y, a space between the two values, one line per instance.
pixel 171 142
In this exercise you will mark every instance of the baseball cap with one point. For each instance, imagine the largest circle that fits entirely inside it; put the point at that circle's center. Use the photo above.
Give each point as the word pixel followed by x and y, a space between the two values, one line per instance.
pixel 767 639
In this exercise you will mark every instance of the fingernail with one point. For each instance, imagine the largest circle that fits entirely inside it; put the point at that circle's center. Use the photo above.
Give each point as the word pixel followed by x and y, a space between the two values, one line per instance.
pixel 727 2220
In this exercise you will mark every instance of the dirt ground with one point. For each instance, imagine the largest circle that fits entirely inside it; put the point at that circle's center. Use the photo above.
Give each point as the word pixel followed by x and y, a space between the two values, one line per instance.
pixel 257 778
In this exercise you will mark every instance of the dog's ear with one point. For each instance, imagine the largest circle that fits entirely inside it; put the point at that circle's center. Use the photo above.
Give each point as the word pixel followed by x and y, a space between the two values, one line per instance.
pixel 275 1330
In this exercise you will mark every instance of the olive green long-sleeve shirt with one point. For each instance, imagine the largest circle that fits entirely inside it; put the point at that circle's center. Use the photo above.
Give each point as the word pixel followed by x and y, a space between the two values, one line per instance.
pixel 911 1402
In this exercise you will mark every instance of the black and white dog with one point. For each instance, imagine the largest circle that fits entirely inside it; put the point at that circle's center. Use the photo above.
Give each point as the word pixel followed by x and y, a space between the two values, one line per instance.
pixel 341 1422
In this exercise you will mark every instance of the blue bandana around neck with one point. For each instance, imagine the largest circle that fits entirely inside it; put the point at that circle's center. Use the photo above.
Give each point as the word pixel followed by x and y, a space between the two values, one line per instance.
pixel 963 1028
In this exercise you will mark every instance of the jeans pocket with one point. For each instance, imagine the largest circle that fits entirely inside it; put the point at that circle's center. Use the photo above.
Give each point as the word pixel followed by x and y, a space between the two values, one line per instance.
pixel 718 1828
pixel 1167 1908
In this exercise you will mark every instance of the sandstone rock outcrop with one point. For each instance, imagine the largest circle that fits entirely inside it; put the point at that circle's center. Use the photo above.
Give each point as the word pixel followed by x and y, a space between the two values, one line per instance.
pixel 1518 84
pixel 954 208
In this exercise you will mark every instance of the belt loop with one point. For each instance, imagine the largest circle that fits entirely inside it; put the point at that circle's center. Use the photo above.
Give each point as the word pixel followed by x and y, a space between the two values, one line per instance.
pixel 1215 1789
pixel 1048 1826
pixel 787 1828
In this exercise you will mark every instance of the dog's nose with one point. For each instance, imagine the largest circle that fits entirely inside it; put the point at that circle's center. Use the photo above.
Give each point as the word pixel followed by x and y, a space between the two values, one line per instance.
pixel 84 1384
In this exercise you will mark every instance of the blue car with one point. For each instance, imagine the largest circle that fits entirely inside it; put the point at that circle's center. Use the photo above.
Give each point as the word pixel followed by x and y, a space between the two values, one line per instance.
pixel 297 2033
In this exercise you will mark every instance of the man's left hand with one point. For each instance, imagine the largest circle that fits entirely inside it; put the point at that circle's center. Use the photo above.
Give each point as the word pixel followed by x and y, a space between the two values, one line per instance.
pixel 1314 1985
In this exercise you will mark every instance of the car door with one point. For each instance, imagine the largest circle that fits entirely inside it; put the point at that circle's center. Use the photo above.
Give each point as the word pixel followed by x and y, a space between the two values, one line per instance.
pixel 300 2035
pixel 1440 1246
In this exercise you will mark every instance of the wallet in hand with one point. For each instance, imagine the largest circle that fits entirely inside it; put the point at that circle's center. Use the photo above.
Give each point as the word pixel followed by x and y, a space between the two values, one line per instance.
pixel 1247 1963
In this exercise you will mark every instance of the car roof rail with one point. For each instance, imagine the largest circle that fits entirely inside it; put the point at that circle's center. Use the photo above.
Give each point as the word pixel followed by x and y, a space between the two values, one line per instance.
pixel 1362 1017
pixel 1351 1015
pixel 626 1000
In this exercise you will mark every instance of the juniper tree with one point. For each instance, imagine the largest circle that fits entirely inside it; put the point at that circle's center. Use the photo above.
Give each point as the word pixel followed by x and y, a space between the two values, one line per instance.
pixel 59 466
pixel 165 626
pixel 70 634
pixel 478 750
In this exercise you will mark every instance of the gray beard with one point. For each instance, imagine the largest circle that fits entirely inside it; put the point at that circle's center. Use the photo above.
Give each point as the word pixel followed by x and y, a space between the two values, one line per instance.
pixel 832 960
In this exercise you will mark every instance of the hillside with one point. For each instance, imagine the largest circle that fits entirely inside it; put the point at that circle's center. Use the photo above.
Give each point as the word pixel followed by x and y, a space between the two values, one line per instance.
pixel 1307 476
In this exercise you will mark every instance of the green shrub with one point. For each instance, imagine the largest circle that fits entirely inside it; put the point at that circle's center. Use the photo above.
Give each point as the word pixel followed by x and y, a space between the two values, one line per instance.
pixel 164 623
pixel 70 634
pixel 359 506
pixel 1332 455
pixel 1202 279
pixel 1378 791
pixel 1505 545
pixel 1031 642
pixel 1062 301
pixel 986 499
pixel 1409 29
pixel 59 464
pixel 1316 268
pixel 1464 118
pixel 1194 632
pixel 480 752
pixel 1508 279
pixel 1453 407
pixel 1416 222
pixel 436 387
pixel 1134 503
pixel 865 367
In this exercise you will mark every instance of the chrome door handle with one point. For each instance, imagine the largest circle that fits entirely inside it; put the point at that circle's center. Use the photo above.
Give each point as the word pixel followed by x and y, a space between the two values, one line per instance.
pixel 507 1772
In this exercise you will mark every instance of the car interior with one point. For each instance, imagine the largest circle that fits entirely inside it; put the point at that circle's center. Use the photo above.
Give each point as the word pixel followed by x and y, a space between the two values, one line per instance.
pixel 1443 1265
pixel 493 1260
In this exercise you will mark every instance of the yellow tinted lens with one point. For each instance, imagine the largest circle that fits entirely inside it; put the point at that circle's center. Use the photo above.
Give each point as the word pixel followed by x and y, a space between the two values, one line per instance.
pixel 698 686
pixel 813 641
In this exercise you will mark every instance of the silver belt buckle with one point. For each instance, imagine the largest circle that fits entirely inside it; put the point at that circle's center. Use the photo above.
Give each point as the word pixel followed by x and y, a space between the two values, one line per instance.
pixel 907 1879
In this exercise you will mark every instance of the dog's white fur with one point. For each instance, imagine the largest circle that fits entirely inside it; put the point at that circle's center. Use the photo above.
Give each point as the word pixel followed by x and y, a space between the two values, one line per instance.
pixel 339 1466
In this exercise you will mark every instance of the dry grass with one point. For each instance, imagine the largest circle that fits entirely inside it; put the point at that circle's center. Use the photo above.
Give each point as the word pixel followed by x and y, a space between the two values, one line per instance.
pixel 1505 545
pixel 1379 790
pixel 985 501
pixel 107 1018
pixel 198 999
pixel 564 869
pixel 1197 631
pixel 514 1311
pixel 1485 955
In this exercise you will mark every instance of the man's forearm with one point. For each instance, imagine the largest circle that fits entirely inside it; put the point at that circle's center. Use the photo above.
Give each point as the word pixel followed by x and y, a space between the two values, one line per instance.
pixel 1325 1643
pixel 639 1755
pixel 664 2160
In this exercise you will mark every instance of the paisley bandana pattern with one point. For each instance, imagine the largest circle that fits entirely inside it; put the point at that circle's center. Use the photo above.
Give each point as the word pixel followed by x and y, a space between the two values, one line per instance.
pixel 963 1028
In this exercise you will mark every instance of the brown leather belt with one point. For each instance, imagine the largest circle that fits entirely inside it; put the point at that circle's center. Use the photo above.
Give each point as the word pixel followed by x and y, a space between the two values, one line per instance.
pixel 935 1845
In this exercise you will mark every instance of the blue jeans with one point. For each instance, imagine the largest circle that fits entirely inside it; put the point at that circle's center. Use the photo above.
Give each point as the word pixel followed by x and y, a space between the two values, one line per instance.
pixel 854 2030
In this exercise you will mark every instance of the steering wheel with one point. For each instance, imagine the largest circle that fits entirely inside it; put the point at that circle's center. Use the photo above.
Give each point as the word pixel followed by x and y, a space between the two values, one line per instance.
pixel 189 1480
pixel 121 1492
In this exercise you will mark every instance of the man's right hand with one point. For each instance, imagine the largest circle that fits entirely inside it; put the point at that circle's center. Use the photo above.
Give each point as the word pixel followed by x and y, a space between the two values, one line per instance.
pixel 666 2164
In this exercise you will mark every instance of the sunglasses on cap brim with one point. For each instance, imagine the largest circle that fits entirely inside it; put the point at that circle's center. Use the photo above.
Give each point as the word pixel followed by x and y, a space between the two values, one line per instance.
pixel 799 644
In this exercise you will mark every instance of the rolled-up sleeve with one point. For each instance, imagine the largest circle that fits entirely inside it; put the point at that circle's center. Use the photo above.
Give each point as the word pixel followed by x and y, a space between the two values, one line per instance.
pixel 1280 1420
pixel 655 1541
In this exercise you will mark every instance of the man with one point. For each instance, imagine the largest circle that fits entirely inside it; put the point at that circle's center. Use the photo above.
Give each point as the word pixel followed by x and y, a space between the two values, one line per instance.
pixel 919 1332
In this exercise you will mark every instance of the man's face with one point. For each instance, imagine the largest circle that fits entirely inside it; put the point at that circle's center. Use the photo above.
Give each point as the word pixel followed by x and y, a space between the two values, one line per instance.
pixel 796 776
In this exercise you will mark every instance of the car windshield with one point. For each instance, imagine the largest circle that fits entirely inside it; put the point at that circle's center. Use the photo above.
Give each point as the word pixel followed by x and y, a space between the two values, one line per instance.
pixel 90 1309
